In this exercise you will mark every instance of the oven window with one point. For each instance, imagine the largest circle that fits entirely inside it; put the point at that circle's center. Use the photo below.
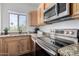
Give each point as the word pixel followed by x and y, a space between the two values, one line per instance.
pixel 61 7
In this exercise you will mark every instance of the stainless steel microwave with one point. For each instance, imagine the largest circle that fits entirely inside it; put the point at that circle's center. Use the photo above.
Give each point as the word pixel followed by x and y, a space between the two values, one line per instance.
pixel 56 10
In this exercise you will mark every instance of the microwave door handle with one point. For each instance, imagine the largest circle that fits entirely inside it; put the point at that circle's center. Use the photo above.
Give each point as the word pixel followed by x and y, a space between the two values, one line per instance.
pixel 56 9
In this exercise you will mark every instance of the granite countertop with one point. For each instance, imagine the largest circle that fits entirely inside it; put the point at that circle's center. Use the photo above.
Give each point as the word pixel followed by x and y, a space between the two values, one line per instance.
pixel 34 37
pixel 70 50
pixel 9 35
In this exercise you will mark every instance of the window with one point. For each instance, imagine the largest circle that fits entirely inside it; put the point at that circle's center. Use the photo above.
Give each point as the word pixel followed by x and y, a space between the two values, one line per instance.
pixel 22 23
pixel 13 23
pixel 17 23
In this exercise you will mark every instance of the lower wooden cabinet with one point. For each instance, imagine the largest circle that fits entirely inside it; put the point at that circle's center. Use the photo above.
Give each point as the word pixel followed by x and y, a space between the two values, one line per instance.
pixel 15 45
pixel 1 46
pixel 24 45
pixel 12 47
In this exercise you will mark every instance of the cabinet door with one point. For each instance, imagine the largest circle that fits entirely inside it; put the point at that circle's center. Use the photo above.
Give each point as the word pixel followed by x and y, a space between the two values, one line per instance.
pixel 74 8
pixel 41 14
pixel 12 47
pixel 30 17
pixel 24 45
pixel 77 7
pixel 1 47
pixel 33 18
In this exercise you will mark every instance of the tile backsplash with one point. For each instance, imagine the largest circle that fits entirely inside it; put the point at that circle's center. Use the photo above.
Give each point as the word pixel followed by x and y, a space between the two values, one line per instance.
pixel 71 24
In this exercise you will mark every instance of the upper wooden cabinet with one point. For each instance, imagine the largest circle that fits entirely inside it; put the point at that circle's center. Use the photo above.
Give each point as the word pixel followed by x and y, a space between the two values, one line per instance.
pixel 74 9
pixel 33 18
pixel 37 16
pixel 77 7
pixel 41 14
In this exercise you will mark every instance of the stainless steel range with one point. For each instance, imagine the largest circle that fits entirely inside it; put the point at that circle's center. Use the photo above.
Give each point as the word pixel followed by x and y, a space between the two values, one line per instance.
pixel 64 37
pixel 58 38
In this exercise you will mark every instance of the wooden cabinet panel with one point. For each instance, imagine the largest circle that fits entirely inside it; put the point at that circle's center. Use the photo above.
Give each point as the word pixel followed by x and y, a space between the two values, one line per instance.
pixel 24 45
pixel 33 18
pixel 37 16
pixel 74 9
pixel 1 46
pixel 17 45
pixel 41 14
pixel 5 47
pixel 12 47
pixel 77 7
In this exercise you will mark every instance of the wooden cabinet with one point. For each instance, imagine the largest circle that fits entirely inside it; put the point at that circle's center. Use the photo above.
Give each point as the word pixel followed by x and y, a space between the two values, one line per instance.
pixel 15 45
pixel 24 45
pixel 37 16
pixel 1 46
pixel 9 46
pixel 77 6
pixel 33 18
pixel 41 14
pixel 74 9
pixel 12 47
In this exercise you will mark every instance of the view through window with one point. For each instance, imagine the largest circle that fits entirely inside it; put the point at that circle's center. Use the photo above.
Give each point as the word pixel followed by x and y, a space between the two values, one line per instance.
pixel 17 23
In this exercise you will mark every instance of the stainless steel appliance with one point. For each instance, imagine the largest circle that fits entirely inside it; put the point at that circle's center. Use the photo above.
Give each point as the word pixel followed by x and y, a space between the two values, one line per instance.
pixel 50 13
pixel 46 42
pixel 62 9
pixel 64 37
pixel 58 38
pixel 56 10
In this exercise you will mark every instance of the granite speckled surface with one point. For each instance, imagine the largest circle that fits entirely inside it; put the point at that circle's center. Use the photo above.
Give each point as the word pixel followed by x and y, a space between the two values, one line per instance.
pixel 70 50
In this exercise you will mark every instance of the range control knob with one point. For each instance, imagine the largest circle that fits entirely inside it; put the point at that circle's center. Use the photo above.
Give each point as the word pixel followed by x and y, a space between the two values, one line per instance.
pixel 71 32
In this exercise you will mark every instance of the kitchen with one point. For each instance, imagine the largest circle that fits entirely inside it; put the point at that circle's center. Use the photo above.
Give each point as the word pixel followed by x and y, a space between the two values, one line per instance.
pixel 39 29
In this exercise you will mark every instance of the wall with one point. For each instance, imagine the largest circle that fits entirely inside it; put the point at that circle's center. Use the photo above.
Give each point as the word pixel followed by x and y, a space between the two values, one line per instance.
pixel 71 24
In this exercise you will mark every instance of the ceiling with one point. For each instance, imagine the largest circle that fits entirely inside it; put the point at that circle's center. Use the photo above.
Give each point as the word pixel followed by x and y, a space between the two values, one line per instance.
pixel 21 7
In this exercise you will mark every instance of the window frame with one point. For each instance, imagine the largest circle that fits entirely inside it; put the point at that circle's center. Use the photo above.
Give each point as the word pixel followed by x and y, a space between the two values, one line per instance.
pixel 17 22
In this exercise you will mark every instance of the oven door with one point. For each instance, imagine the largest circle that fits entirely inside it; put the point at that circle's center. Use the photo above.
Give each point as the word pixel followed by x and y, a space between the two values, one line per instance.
pixel 51 49
pixel 62 42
